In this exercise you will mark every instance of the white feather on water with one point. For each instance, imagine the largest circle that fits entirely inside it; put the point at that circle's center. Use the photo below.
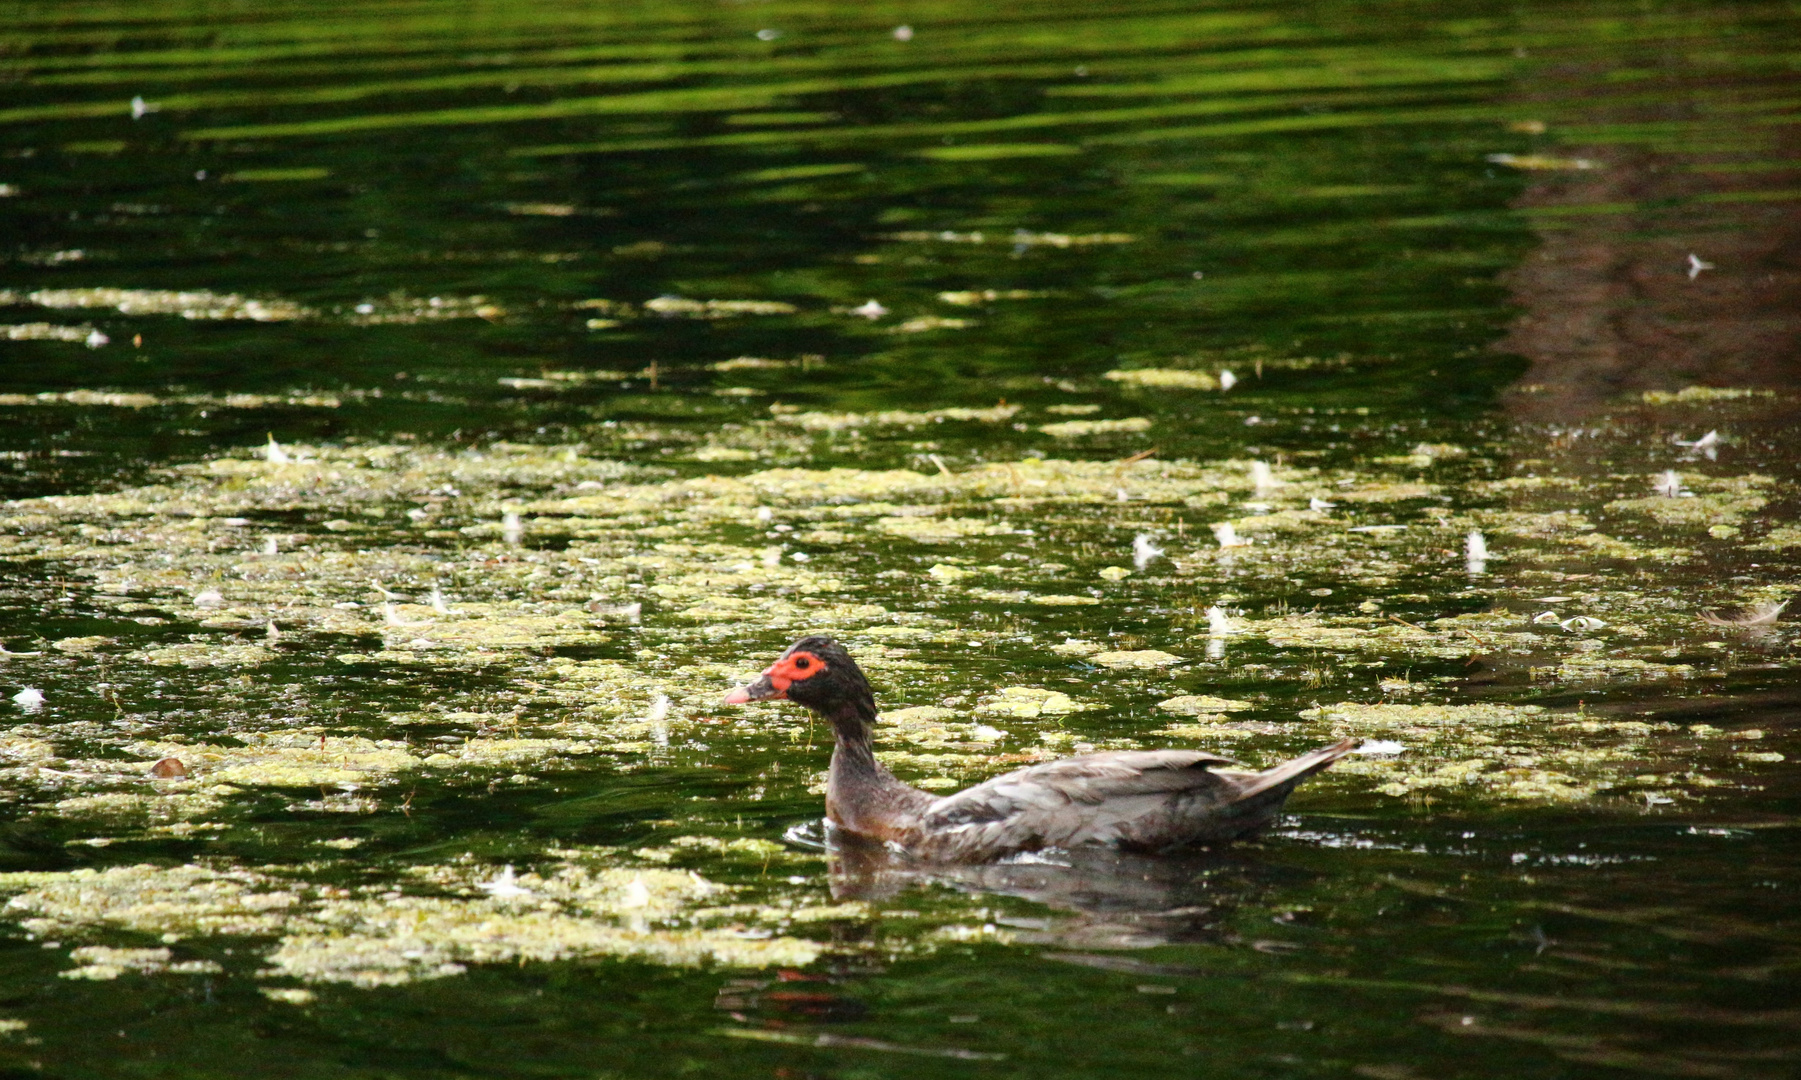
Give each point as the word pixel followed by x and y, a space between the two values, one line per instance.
pixel 658 715
pixel 636 894
pixel 504 886
pixel 1708 444
pixel 1228 536
pixel 1475 552
pixel 1263 478
pixel 1143 550
pixel 1670 486
pixel 1582 623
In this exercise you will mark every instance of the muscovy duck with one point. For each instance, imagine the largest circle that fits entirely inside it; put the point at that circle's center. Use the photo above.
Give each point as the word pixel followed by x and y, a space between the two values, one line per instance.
pixel 1137 800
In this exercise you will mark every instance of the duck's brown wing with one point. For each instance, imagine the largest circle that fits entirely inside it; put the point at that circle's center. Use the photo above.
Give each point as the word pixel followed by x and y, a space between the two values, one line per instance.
pixel 1095 798
pixel 1145 799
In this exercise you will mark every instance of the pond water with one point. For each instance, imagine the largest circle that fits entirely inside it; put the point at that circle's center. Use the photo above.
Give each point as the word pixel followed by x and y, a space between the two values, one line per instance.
pixel 420 413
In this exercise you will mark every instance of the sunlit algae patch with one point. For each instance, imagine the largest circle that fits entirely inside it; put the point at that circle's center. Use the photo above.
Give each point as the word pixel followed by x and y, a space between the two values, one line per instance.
pixel 503 560
pixel 379 936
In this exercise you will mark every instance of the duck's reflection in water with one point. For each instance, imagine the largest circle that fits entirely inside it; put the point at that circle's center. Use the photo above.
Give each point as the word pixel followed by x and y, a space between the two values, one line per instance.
pixel 1100 898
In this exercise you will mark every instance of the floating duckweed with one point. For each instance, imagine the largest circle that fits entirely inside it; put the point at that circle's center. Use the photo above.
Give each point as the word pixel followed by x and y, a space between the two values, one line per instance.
pixel 189 305
pixel 1701 394
pixel 683 307
pixel 912 763
pixel 42 331
pixel 815 421
pixel 1542 162
pixel 1387 492
pixel 290 759
pixel 723 453
pixel 141 808
pixel 100 963
pixel 1598 666
pixel 1358 634
pixel 1059 600
pixel 1136 659
pixel 514 753
pixel 904 634
pixel 1075 429
pixel 936 530
pixel 920 324
pixel 1210 726
pixel 1025 702
pixel 1196 704
pixel 975 297
pixel 489 626
pixel 173 902
pixel 754 847
pixel 918 714
pixel 1717 502
pixel 1285 521
pixel 1421 720
pixel 1498 751
pixel 83 397
pixel 1164 379
pixel 399 309
pixel 138 400
pixel 80 646
pixel 570 911
pixel 207 655
pixel 936 728
pixel 658 569
pixel 1780 538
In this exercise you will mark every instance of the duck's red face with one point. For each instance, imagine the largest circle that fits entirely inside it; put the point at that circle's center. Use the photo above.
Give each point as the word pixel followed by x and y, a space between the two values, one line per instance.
pixel 796 665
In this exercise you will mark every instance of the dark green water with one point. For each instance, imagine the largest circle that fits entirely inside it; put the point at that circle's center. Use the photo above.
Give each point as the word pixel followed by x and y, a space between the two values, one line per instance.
pixel 641 275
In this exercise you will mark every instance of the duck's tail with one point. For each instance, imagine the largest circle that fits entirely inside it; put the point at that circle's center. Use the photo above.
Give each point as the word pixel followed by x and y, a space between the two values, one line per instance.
pixel 1286 775
pixel 1259 796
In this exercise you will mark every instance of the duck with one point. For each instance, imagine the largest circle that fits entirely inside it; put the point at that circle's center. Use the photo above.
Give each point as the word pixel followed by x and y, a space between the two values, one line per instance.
pixel 1132 800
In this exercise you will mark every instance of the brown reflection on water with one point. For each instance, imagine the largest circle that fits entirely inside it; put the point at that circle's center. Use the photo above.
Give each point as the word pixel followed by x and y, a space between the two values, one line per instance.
pixel 1687 162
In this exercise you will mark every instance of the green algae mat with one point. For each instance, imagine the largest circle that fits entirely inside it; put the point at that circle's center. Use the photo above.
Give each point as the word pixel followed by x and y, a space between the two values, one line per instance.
pixel 419 415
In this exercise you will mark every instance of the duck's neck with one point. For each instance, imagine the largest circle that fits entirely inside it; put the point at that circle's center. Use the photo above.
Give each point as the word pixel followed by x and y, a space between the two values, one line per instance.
pixel 861 794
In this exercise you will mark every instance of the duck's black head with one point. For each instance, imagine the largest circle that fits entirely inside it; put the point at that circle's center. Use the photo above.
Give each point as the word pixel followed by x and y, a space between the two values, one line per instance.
pixel 816 672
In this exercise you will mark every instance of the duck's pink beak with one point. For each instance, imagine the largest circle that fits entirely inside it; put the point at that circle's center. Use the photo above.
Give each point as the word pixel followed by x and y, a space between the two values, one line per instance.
pixel 762 689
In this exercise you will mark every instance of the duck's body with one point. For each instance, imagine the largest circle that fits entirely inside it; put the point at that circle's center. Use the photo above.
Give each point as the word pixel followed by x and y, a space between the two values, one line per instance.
pixel 1143 800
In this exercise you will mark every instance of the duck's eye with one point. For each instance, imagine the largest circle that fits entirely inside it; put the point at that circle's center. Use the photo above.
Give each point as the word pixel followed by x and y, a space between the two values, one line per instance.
pixel 803 663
